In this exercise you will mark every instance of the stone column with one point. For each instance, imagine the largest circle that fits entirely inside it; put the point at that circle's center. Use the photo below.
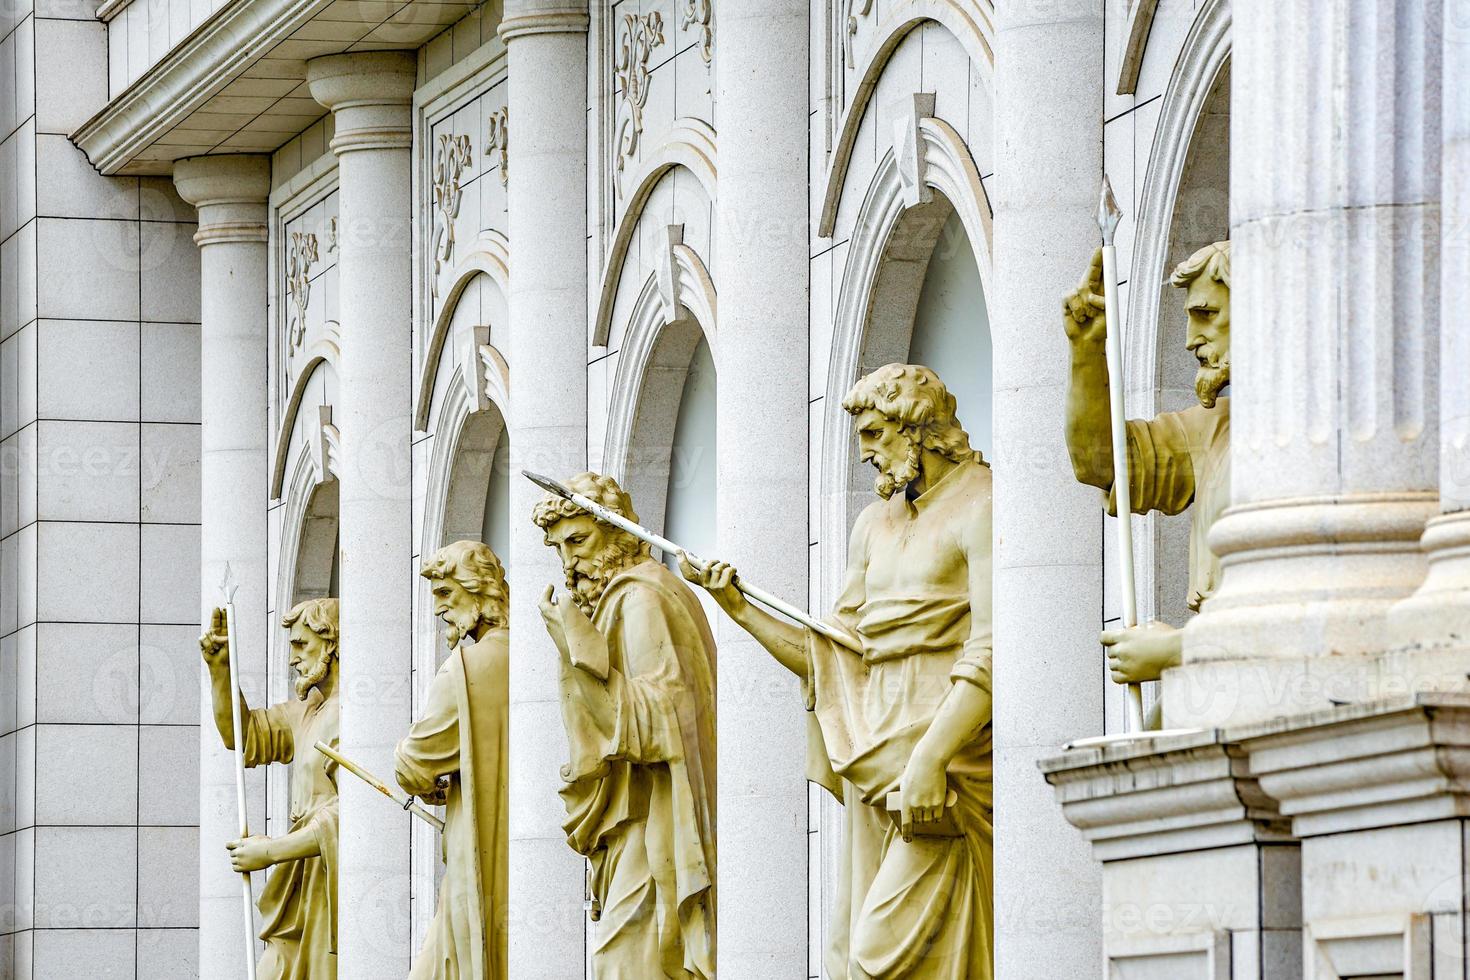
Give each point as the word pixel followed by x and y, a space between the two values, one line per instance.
pixel 370 94
pixel 1336 310
pixel 1049 674
pixel 1436 619
pixel 761 267
pixel 231 194
pixel 546 41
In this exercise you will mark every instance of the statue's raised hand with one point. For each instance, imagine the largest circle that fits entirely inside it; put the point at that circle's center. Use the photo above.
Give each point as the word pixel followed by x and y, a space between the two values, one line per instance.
pixel 717 577
pixel 215 643
pixel 551 615
pixel 1084 310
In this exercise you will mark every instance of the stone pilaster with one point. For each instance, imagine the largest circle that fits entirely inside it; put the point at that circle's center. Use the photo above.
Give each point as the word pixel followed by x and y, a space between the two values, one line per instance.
pixel 546 41
pixel 1199 868
pixel 1335 285
pixel 1049 676
pixel 761 268
pixel 230 193
pixel 370 95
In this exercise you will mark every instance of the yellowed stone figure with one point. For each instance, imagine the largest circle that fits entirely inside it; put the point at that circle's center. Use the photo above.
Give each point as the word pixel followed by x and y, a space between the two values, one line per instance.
pixel 1175 459
pixel 910 716
pixel 457 754
pixel 298 907
pixel 638 704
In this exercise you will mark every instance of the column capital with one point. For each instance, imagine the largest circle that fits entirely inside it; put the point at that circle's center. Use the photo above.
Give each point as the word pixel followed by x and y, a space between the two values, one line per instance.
pixel 524 17
pixel 231 192
pixel 370 94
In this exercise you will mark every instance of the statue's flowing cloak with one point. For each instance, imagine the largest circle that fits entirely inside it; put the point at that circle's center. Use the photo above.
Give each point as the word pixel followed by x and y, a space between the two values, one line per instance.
pixel 639 710
pixel 463 734
pixel 1177 459
pixel 298 906
pixel 917 598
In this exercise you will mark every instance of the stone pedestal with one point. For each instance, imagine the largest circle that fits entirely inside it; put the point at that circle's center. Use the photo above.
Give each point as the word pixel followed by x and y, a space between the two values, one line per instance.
pixel 370 95
pixel 761 269
pixel 1336 309
pixel 1199 870
pixel 546 42
pixel 1377 794
pixel 230 193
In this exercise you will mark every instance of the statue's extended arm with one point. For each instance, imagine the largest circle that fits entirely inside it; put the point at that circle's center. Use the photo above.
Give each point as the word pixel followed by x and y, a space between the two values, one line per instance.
pixel 259 853
pixel 1088 426
pixel 785 641
pixel 215 646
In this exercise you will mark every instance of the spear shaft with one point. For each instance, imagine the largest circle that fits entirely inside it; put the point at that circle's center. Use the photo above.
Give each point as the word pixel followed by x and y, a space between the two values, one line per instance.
pixel 247 888
pixel 407 802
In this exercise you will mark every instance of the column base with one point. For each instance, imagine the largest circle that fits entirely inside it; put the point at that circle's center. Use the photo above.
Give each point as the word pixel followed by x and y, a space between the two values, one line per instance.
pixel 1437 615
pixel 1310 577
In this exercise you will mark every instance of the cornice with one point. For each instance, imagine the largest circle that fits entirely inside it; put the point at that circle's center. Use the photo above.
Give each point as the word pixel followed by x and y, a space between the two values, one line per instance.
pixel 206 61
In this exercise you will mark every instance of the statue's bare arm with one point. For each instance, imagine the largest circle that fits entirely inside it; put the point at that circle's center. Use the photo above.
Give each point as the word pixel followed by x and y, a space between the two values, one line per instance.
pixel 259 853
pixel 215 646
pixel 785 641
pixel 1088 426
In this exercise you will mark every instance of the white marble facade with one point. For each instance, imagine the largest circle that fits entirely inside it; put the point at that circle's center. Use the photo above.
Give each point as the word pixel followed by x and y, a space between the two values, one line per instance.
pixel 439 241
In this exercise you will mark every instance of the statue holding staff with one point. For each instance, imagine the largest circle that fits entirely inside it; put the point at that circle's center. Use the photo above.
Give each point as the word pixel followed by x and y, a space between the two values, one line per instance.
pixel 902 710
pixel 457 754
pixel 1176 459
pixel 638 703
pixel 298 906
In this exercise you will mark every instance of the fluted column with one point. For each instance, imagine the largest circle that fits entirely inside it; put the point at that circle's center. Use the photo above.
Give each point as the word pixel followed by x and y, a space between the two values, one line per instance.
pixel 230 193
pixel 370 94
pixel 1335 316
pixel 546 41
pixel 1436 619
pixel 1049 677
pixel 761 266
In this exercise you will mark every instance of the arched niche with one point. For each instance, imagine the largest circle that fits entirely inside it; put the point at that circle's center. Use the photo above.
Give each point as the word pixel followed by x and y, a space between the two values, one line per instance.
pixel 1183 205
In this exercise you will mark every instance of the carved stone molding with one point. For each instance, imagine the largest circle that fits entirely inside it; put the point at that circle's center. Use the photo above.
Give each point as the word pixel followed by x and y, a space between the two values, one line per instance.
pixel 326 446
pixel 303 255
pixel 631 78
pixel 700 13
pixel 451 157
pixel 332 234
pixel 498 140
pixel 856 11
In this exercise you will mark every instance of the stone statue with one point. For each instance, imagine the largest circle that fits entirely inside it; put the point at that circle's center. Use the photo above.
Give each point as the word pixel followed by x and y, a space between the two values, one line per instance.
pixel 638 704
pixel 457 754
pixel 298 907
pixel 902 733
pixel 1175 459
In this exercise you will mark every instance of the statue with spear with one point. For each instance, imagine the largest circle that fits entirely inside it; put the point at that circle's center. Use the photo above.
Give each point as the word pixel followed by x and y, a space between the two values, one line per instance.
pixel 1170 463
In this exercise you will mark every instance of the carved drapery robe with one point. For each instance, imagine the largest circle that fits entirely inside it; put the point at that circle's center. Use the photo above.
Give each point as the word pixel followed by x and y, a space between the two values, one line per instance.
pixel 638 702
pixel 298 906
pixel 917 599
pixel 463 735
pixel 1177 459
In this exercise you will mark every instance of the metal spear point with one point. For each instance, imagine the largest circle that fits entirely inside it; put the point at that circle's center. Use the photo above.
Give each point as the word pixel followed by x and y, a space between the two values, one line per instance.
pixel 1108 216
pixel 670 548
pixel 227 589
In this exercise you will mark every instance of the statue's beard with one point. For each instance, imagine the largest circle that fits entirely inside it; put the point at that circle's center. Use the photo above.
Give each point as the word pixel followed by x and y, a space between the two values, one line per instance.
pixel 457 626
pixel 305 682
pixel 892 479
pixel 589 577
pixel 1213 375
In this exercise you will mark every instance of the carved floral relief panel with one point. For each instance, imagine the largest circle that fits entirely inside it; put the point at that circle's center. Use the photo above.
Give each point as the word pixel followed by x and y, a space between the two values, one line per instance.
pixel 306 288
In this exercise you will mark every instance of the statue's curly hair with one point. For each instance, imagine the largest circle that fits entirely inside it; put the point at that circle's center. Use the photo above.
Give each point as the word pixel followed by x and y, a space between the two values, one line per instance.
pixel 1212 260
pixel 475 567
pixel 600 489
pixel 913 396
pixel 319 615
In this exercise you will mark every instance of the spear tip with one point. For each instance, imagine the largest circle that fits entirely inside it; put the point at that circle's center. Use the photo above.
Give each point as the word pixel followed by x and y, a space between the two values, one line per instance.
pixel 1108 212
pixel 548 484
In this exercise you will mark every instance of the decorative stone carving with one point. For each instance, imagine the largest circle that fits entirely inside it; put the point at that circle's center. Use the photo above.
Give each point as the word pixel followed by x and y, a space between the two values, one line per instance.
pixel 856 10
pixel 302 257
pixel 640 35
pixel 326 446
pixel 332 234
pixel 297 908
pixel 637 676
pixel 700 13
pixel 908 149
pixel 457 755
pixel 451 157
pixel 902 733
pixel 498 142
